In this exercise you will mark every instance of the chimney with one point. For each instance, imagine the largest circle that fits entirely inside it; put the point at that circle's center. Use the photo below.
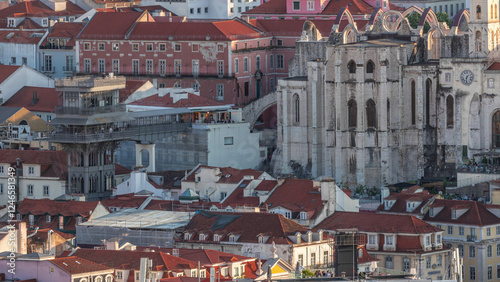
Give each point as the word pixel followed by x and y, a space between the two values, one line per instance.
pixel 22 245
pixel 21 28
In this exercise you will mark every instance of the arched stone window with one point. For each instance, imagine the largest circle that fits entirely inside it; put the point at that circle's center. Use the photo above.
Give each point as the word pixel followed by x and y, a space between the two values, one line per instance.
pixel 257 62
pixel 370 67
pixel 371 114
pixel 296 106
pixel 413 103
pixel 352 110
pixel 479 46
pixel 491 12
pixel 428 89
pixel 496 129
pixel 449 111
pixel 478 12
pixel 351 66
pixel 496 11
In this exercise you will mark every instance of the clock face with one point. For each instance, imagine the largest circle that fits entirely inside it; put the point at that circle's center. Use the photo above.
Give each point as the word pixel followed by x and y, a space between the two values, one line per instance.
pixel 466 77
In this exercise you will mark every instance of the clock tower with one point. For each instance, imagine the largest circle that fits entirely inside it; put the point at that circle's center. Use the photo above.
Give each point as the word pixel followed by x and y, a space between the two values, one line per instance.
pixel 484 28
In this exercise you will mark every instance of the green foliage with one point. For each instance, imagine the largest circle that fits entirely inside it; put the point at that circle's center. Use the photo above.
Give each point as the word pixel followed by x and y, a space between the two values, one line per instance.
pixel 306 273
pixel 414 19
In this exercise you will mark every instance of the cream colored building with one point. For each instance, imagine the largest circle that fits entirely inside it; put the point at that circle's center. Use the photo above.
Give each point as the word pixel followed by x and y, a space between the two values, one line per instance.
pixel 473 228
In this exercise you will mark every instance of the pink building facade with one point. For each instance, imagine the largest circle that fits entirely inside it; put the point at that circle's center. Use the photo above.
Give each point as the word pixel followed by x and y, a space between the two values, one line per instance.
pixel 231 61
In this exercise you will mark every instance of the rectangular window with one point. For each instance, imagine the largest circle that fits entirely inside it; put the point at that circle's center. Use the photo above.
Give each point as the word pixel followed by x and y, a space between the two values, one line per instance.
pixel 45 190
pixel 296 5
pixel 191 11
pixel 271 61
pixel 498 265
pixel 31 170
pixel 25 61
pixel 100 46
pixel 69 63
pixel 116 46
pixel 116 66
pixel 301 260
pixel 177 47
pixel 490 272
pixel 245 64
pixel 489 251
pixel 313 259
pixel 428 262
pixel 228 140
pixel 310 5
pixel 196 68
pixel 30 190
pixel 220 92
pixel 279 42
pixel 439 260
pixel 491 83
pixel 195 47
pixel 388 262
pixel 389 240
pixel 149 66
pixel 488 231
pixel 236 65
pixel 220 68
pixel 135 67
pixel 498 250
pixel 149 47
pixel 101 66
pixel 177 67
pixel 86 46
pixel 472 273
pixel 280 61
pixel 247 88
pixel 163 67
pixel 272 86
pixel 31 219
pixel 86 65
pixel 1 188
pixel 450 229
pixel 135 47
pixel 206 10
pixel 461 231
pixel 1 169
pixel 48 62
pixel 163 47
pixel 472 251
pixel 498 230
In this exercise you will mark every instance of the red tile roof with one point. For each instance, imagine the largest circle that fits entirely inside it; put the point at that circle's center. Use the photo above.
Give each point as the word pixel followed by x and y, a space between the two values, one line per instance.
pixel 248 225
pixel 477 213
pixel 402 198
pixel 204 256
pixel 236 29
pixel 54 208
pixel 167 101
pixel 6 71
pixel 375 222
pixel 494 66
pixel 53 163
pixel 266 185
pixel 48 99
pixel 42 234
pixel 124 201
pixel 130 87
pixel 109 25
pixel 132 259
pixel 296 195
pixel 119 169
pixel 20 37
pixel 65 30
pixel 278 7
pixel 236 199
pixel 29 24
pixel 37 9
pixel 77 265
pixel 165 205
pixel 366 257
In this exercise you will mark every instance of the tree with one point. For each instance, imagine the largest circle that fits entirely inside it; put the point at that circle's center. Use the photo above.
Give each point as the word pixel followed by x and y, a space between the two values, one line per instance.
pixel 414 19
pixel 443 17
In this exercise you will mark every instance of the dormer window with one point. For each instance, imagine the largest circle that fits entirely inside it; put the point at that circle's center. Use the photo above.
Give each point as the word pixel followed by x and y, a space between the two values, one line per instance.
pixel 48 218
pixel 389 240
pixel 187 236
pixel 453 214
pixel 431 212
pixel 427 240
pixel 11 23
pixel 45 22
pixel 31 219
pixel 216 237
pixel 438 239
pixel 232 238
pixel 203 237
pixel 261 239
pixel 61 222
pixel 303 215
pixel 298 237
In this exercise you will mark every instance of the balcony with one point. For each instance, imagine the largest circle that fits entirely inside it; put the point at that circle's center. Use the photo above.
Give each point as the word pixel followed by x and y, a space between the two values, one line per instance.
pixel 46 69
pixel 69 69
pixel 90 111
pixel 471 238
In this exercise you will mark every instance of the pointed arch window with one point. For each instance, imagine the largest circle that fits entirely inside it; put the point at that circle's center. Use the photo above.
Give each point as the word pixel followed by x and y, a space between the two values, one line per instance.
pixel 428 89
pixel 496 11
pixel 479 45
pixel 413 103
pixel 352 109
pixel 351 66
pixel 491 12
pixel 478 12
pixel 370 67
pixel 296 105
pixel 496 129
pixel 449 111
pixel 371 114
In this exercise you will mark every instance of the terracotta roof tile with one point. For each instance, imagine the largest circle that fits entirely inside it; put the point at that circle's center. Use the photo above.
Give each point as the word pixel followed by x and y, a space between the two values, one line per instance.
pixel 109 25
pixel 48 99
pixel 237 199
pixel 227 174
pixel 76 265
pixel 119 169
pixel 6 71
pixel 124 201
pixel 374 222
pixel 204 256
pixel 266 185
pixel 269 7
pixel 401 202
pixel 20 37
pixel 249 225
pixel 37 9
pixel 54 163
pixel 296 195
pixel 130 87
pixel 131 259
pixel 494 66
pixel 477 213
pixel 52 207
